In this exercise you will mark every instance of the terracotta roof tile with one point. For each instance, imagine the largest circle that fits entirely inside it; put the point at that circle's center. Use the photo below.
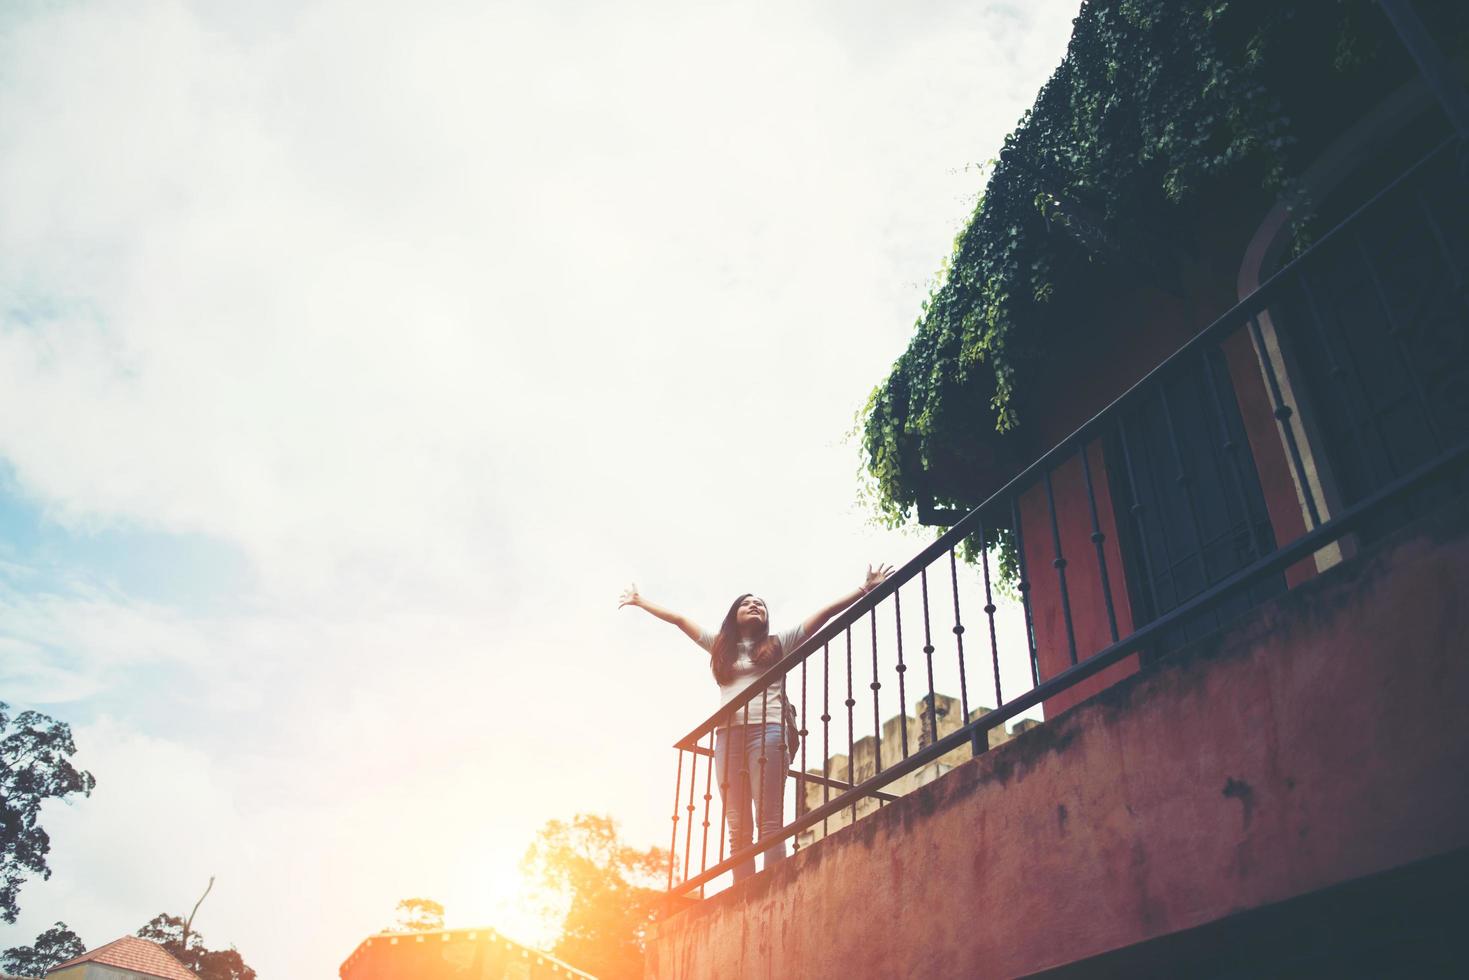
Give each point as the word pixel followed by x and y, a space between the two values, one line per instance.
pixel 138 955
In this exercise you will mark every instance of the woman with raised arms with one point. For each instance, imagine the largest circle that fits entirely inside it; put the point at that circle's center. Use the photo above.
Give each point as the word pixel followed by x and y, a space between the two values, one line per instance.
pixel 753 739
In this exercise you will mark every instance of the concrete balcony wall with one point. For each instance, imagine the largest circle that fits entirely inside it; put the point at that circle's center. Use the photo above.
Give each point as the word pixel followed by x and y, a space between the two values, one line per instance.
pixel 1317 740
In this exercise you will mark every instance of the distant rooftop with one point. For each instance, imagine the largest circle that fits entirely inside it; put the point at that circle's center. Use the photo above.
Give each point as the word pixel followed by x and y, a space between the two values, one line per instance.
pixel 132 953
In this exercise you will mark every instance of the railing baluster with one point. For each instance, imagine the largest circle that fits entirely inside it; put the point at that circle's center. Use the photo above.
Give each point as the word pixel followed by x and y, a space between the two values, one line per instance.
pixel 902 669
pixel 760 738
pixel 876 686
pixel 1455 269
pixel 1338 373
pixel 959 636
pixel 928 655
pixel 851 722
pixel 1395 331
pixel 1059 564
pixel 744 787
pixel 959 643
pixel 1024 589
pixel 825 729
pixel 723 795
pixel 1185 483
pixel 1283 414
pixel 800 807
pixel 708 797
pixel 673 840
pixel 688 843
pixel 1136 509
pixel 1231 450
pixel 1456 272
pixel 989 611
pixel 1097 539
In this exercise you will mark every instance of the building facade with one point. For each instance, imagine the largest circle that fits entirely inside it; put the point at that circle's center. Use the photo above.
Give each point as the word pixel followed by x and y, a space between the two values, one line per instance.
pixel 1237 518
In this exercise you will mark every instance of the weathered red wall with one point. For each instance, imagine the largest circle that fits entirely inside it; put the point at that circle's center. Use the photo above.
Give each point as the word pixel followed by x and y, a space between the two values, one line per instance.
pixel 1318 739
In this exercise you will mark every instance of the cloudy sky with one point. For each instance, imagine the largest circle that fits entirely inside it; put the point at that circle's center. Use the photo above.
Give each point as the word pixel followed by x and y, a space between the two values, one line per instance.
pixel 354 356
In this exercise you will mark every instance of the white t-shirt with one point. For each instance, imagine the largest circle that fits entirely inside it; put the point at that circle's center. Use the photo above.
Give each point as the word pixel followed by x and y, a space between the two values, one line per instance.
pixel 746 671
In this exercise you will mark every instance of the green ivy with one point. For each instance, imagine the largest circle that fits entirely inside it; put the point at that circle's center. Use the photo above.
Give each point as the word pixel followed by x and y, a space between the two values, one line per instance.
pixel 1156 102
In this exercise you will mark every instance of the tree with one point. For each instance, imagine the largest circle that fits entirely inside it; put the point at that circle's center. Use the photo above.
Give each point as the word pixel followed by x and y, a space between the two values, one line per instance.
pixel 210 964
pixel 609 890
pixel 35 766
pixel 56 945
pixel 418 915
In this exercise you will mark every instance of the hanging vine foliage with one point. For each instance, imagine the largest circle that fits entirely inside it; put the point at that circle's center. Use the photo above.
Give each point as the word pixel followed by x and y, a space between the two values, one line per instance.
pixel 1155 103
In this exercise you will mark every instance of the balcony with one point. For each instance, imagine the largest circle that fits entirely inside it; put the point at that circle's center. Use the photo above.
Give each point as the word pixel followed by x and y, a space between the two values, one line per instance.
pixel 1233 595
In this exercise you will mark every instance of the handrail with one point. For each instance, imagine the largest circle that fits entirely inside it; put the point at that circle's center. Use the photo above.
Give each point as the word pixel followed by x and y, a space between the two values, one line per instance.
pixel 1247 308
pixel 1143 418
pixel 1301 547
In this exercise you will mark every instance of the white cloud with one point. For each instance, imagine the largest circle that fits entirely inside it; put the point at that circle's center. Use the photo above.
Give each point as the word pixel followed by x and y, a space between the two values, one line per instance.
pixel 450 318
pixel 65 646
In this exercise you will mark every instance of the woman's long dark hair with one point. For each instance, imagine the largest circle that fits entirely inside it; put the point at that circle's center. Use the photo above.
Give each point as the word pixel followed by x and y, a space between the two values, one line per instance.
pixel 727 645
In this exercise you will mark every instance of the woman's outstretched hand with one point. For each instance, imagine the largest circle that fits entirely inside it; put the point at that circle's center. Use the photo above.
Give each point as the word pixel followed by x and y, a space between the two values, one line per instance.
pixel 876 577
pixel 631 597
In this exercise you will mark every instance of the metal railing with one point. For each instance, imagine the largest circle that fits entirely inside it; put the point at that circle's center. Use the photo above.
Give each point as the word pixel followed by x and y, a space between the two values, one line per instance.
pixel 1315 346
